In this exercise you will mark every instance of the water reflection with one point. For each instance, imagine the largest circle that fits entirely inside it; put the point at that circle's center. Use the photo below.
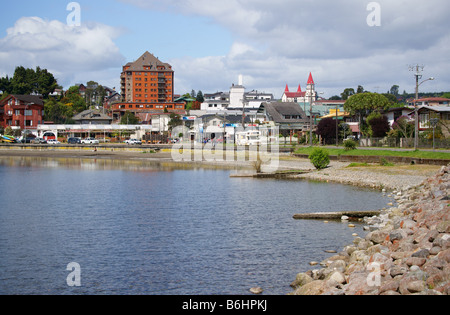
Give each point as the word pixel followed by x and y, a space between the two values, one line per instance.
pixel 144 231
pixel 141 165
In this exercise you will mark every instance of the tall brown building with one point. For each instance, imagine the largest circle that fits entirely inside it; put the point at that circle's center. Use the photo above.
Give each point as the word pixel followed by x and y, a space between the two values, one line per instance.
pixel 147 85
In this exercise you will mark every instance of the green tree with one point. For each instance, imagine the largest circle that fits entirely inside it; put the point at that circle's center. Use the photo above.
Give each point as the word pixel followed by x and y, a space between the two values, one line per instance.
pixel 27 81
pixel 360 89
pixel 73 98
pixel 5 85
pixel 347 93
pixel 44 83
pixel 58 112
pixel 392 98
pixel 365 103
pixel 200 98
pixel 129 119
pixel 394 90
pixel 175 120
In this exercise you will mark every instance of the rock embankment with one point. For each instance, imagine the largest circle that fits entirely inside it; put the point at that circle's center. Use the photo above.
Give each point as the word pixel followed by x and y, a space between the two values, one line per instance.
pixel 406 250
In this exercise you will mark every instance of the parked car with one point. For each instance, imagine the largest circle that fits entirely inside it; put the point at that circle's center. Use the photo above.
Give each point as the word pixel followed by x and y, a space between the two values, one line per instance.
pixel 133 142
pixel 90 141
pixel 53 142
pixel 74 141
pixel 39 141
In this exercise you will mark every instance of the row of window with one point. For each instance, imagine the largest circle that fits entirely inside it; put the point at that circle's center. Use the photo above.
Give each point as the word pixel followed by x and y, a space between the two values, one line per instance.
pixel 134 106
pixel 19 112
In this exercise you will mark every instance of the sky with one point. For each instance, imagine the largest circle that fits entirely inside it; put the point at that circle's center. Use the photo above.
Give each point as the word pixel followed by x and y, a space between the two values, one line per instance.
pixel 209 43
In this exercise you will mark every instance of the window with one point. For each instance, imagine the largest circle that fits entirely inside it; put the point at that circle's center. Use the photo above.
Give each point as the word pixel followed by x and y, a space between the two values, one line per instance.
pixel 28 113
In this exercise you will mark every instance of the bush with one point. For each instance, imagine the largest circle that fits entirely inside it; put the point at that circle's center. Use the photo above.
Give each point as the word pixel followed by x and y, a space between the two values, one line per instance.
pixel 349 145
pixel 319 158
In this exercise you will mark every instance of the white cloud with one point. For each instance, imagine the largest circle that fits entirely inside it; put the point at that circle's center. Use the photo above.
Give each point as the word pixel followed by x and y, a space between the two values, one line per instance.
pixel 71 53
pixel 279 42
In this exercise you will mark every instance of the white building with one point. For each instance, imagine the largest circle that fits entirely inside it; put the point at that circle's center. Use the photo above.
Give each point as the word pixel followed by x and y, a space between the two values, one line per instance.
pixel 236 99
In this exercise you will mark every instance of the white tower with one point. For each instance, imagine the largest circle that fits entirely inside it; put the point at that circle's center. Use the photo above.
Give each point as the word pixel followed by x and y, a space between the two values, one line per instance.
pixel 237 94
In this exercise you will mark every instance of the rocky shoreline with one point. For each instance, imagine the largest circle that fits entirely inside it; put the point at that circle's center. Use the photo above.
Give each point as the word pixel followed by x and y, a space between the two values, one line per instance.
pixel 406 250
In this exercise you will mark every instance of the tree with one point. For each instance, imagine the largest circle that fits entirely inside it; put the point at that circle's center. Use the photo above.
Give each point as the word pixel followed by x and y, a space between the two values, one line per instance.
pixel 129 119
pixel 5 85
pixel 404 127
pixel 27 81
pixel 365 103
pixel 200 97
pixel 379 125
pixel 74 97
pixel 392 98
pixel 327 130
pixel 175 120
pixel 58 112
pixel 394 90
pixel 360 89
pixel 45 82
pixel 347 93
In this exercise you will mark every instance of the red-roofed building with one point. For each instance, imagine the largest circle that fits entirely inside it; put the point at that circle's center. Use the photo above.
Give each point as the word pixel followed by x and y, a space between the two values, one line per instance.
pixel 301 96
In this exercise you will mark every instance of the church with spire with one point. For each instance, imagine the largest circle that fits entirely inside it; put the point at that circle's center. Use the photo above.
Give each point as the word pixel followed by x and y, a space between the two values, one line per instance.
pixel 301 96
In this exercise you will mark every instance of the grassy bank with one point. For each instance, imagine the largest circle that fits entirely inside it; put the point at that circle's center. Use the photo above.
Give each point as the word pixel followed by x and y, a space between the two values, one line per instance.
pixel 363 152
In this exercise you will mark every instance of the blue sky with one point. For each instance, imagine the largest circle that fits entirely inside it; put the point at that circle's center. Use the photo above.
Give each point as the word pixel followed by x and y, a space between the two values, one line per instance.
pixel 211 42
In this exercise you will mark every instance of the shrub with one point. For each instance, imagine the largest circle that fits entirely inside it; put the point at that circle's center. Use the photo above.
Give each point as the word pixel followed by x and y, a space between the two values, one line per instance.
pixel 319 158
pixel 349 145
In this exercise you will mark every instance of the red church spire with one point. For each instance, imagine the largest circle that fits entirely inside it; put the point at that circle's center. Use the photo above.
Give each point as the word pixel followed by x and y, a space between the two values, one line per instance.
pixel 287 88
pixel 310 79
pixel 299 88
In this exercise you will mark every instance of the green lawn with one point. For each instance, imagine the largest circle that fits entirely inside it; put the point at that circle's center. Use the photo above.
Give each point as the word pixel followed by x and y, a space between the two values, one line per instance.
pixel 414 154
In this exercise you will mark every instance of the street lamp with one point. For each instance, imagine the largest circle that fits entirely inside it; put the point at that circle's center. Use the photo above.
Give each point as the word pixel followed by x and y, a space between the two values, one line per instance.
pixel 416 113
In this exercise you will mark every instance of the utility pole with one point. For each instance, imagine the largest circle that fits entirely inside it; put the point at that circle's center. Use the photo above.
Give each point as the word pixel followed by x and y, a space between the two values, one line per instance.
pixel 418 70
pixel 310 114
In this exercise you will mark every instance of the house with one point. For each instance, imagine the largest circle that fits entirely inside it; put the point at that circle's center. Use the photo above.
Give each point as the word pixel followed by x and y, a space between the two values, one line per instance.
pixel 215 102
pixel 92 117
pixel 288 116
pixel 22 112
pixel 430 101
pixel 440 112
pixel 393 114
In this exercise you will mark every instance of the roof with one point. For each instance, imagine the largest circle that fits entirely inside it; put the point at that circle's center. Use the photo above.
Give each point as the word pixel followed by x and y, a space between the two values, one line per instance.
pixel 433 99
pixel 91 115
pixel 229 118
pixel 310 79
pixel 148 60
pixel 439 109
pixel 277 111
pixel 33 99
pixel 299 92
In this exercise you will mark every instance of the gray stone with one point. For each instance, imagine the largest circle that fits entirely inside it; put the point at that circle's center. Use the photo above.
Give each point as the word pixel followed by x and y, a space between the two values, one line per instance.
pixel 423 253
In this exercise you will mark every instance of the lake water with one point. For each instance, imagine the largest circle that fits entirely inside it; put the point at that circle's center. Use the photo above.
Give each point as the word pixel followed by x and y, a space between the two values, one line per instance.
pixel 155 229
